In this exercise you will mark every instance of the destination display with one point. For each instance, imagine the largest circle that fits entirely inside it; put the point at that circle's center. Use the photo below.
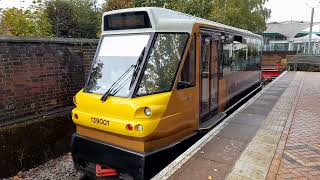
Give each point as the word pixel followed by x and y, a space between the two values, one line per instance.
pixel 130 20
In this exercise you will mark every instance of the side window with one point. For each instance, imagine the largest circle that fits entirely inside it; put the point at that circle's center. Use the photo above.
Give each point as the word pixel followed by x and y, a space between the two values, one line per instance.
pixel 240 55
pixel 162 63
pixel 227 54
pixel 235 56
pixel 188 74
pixel 254 54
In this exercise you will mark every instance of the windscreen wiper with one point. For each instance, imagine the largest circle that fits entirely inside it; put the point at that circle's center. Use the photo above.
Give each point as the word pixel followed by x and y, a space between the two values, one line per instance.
pixel 110 90
pixel 137 67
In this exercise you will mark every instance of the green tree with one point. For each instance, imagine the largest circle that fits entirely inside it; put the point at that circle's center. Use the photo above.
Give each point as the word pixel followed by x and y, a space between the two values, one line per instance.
pixel 198 8
pixel 110 5
pixel 74 18
pixel 30 22
pixel 60 14
pixel 154 3
pixel 246 14
pixel 88 18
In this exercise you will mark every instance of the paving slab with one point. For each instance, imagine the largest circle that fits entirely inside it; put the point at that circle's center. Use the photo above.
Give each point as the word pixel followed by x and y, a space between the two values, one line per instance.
pixel 210 169
pixel 238 132
pixel 222 150
pixel 248 119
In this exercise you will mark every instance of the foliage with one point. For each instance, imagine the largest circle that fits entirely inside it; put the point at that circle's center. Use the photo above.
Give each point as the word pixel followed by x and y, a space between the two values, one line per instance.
pixel 198 8
pixel 245 14
pixel 30 22
pixel 60 14
pixel 117 4
pixel 73 18
pixel 88 18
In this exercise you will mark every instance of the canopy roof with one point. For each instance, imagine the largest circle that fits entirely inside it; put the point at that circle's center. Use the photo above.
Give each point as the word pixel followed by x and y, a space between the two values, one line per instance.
pixel 290 28
pixel 315 29
pixel 314 38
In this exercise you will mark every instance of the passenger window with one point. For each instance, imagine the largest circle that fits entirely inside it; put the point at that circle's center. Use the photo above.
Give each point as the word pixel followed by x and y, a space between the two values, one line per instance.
pixel 227 59
pixel 188 74
pixel 235 56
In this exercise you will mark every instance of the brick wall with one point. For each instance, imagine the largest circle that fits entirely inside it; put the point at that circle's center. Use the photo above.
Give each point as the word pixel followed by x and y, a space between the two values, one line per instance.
pixel 41 75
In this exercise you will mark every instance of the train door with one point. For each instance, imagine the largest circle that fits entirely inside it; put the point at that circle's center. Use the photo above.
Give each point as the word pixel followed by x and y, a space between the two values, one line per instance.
pixel 209 77
pixel 182 111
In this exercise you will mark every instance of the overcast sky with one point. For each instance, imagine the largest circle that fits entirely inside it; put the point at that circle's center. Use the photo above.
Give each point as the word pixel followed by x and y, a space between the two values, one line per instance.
pixel 21 3
pixel 282 10
pixel 286 10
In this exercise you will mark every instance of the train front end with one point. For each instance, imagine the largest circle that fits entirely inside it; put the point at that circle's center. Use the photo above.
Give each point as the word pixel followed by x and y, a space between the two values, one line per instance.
pixel 122 113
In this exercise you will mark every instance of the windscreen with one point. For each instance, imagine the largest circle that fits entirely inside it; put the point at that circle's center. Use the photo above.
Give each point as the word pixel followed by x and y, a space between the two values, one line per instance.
pixel 116 55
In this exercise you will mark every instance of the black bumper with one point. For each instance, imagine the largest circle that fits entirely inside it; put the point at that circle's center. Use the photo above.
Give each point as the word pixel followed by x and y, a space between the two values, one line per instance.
pixel 86 153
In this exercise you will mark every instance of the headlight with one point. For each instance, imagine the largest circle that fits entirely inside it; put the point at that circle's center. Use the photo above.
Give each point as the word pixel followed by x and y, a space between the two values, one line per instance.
pixel 75 100
pixel 147 111
pixel 139 127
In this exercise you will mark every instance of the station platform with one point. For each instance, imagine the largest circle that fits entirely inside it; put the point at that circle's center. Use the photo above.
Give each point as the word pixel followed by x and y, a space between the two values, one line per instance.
pixel 275 135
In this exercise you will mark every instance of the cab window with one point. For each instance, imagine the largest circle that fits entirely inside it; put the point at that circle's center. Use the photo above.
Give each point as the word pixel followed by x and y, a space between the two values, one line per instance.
pixel 188 74
pixel 162 63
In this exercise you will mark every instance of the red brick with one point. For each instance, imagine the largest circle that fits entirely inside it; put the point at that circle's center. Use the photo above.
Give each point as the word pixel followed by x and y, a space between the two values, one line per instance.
pixel 31 73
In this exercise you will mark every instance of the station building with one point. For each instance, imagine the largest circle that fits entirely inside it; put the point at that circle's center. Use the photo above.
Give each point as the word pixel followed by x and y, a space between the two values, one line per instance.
pixel 291 36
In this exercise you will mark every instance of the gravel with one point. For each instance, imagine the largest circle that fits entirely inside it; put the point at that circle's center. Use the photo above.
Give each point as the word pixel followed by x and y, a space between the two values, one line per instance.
pixel 61 168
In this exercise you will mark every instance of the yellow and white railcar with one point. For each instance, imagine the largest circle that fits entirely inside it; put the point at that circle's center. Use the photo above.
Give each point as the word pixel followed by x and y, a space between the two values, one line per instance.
pixel 158 77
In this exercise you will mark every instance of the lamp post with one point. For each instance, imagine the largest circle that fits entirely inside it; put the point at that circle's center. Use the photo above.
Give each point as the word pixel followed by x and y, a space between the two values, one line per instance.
pixel 310 32
pixel 314 3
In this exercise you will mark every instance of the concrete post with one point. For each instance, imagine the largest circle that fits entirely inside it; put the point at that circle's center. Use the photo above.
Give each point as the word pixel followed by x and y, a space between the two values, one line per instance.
pixel 310 33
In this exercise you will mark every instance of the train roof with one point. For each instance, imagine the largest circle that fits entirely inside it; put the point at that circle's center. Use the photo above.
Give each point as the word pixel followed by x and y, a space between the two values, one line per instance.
pixel 166 20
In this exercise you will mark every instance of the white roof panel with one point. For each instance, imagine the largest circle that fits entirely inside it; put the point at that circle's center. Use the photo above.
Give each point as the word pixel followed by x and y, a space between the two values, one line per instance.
pixel 166 20
pixel 314 38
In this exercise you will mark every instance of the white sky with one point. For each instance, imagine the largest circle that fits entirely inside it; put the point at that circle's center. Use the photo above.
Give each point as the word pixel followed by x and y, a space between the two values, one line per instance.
pixel 22 3
pixel 286 10
pixel 282 10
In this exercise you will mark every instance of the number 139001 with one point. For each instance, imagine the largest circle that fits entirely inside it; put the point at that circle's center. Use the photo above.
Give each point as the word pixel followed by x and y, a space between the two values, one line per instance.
pixel 100 121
